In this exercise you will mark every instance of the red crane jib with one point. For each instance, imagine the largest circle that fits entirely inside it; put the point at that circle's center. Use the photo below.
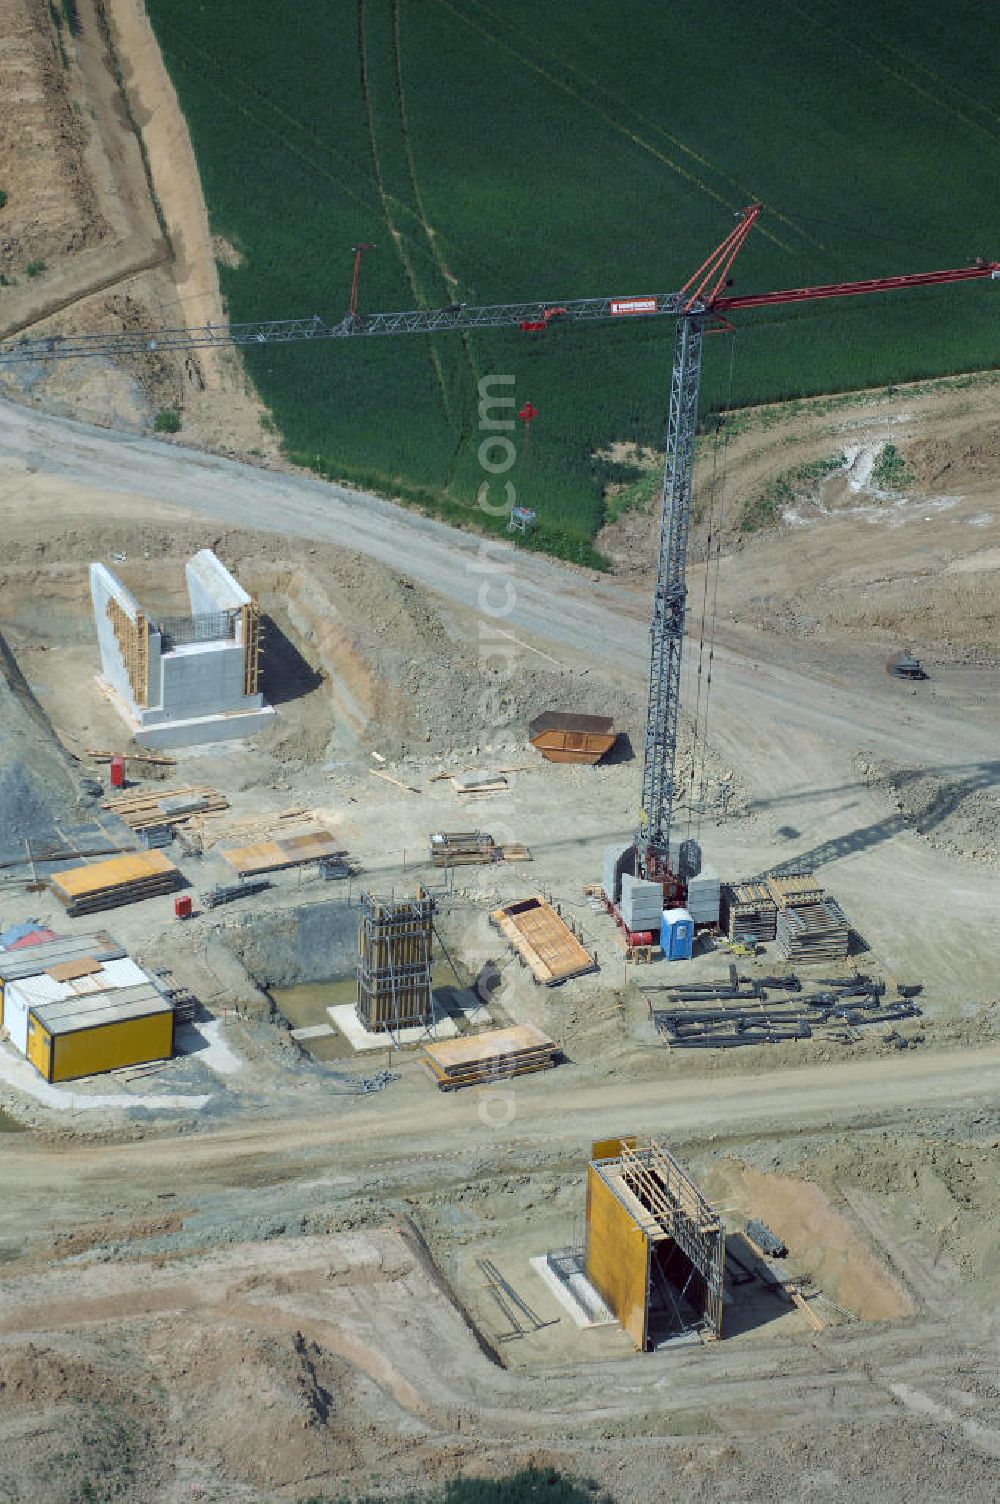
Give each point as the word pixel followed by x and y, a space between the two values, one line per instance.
pixel 855 289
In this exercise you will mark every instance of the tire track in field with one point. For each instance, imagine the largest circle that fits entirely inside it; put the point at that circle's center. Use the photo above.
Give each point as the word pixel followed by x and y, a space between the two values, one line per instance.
pixel 450 280
pixel 617 125
pixel 871 56
pixel 394 231
pixel 211 69
pixel 659 130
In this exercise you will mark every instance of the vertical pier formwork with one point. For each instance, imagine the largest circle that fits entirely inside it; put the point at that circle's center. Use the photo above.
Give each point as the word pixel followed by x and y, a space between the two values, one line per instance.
pixel 395 940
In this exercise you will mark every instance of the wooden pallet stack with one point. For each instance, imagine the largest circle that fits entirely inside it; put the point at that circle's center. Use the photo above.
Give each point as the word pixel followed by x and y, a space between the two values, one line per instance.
pixel 498 1054
pixel 793 890
pixel 123 879
pixel 813 932
pixel 748 912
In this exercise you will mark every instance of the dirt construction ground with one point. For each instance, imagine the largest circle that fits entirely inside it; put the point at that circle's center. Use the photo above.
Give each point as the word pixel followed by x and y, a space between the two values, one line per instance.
pixel 240 1277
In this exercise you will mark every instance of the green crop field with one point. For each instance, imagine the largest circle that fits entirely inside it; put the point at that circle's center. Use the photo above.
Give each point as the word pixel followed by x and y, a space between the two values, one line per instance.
pixel 500 149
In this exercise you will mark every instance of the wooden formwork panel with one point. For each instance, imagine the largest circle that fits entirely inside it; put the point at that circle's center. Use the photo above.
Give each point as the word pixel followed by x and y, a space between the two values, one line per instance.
pixel 117 872
pixel 617 1257
pixel 395 949
pixel 543 940
pixel 285 851
pixel 251 646
pixel 132 637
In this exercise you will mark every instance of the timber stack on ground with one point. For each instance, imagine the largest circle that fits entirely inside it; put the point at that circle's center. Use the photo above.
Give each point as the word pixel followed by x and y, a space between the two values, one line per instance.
pixel 813 932
pixel 469 848
pixel 748 912
pixel 123 879
pixel 144 810
pixel 495 1055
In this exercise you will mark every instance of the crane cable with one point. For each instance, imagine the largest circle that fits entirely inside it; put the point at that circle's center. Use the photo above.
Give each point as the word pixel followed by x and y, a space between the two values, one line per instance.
pixel 717 570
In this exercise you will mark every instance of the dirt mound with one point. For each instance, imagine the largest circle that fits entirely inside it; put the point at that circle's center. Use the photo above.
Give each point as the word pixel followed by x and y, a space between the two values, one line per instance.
pixel 958 813
pixel 105 1435
pixel 266 1405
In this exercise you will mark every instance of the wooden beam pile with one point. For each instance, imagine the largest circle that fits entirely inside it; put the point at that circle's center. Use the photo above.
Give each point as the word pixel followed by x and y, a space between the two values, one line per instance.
pixel 123 879
pixel 173 806
pixel 498 1054
pixel 813 932
pixel 468 848
pixel 748 912
pixel 478 785
pixel 202 832
pixel 463 848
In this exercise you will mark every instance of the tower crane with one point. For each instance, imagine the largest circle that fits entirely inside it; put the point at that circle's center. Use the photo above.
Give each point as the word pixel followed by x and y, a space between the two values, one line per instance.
pixel 698 306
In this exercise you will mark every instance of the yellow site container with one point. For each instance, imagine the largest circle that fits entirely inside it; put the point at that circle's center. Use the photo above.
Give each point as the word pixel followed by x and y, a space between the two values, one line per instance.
pixel 82 1036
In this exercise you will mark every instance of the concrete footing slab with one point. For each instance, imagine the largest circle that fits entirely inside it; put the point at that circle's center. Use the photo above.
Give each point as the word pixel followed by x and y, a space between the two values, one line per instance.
pixel 578 1296
pixel 361 1038
pixel 227 726
pixel 314 1031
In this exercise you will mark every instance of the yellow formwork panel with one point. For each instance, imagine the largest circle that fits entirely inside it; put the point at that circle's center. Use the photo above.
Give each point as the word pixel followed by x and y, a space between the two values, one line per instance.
pixel 138 866
pixel 610 1148
pixel 617 1257
pixel 129 1041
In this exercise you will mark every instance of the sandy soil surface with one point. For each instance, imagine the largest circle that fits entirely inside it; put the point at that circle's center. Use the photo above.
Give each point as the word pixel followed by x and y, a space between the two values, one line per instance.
pixel 258 1228
pixel 104 203
pixel 271 1286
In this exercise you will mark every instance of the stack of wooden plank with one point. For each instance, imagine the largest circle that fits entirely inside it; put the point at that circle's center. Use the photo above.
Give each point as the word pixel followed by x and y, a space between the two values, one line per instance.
pixel 478 785
pixel 144 809
pixel 202 832
pixel 544 942
pixel 463 848
pixel 793 889
pixel 478 1059
pixel 123 879
pixel 284 851
pixel 813 932
pixel 748 912
pixel 467 848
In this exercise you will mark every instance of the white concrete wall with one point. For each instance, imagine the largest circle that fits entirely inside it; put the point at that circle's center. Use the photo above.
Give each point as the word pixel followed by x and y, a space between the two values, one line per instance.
pixel 103 588
pixel 210 585
pixel 204 678
pixel 199 684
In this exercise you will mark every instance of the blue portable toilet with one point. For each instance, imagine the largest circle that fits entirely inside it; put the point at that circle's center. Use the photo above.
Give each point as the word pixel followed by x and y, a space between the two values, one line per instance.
pixel 677 934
